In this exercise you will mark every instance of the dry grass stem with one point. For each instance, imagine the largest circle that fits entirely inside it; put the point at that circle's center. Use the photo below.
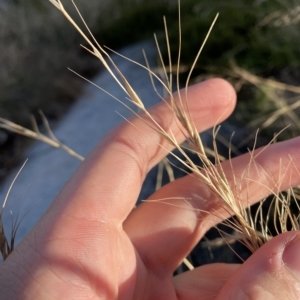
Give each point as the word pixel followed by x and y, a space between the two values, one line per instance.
pixel 282 18
pixel 37 135
pixel 256 80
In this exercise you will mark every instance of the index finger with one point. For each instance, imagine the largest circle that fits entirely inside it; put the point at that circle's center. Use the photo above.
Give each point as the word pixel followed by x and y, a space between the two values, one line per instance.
pixel 108 182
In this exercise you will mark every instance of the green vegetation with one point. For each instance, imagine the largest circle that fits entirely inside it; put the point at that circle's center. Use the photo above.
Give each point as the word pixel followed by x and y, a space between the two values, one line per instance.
pixel 253 33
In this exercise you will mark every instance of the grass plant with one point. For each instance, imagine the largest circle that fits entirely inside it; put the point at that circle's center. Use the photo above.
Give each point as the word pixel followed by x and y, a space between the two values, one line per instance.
pixel 252 229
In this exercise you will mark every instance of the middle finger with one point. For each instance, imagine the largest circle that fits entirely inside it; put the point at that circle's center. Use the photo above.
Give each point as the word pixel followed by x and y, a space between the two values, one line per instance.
pixel 167 230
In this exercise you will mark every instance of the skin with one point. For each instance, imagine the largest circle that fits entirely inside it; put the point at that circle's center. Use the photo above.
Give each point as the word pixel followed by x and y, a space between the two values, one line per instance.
pixel 92 244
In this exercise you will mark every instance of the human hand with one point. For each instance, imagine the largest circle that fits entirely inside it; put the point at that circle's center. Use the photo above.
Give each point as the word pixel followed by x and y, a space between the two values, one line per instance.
pixel 92 244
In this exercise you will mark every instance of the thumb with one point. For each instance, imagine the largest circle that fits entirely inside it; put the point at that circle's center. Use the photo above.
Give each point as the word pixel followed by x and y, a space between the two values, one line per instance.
pixel 273 272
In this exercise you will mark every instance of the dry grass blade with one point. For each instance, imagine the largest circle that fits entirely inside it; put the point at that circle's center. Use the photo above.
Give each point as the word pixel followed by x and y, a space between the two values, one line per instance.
pixel 7 245
pixel 37 135
pixel 164 164
pixel 284 109
pixel 256 80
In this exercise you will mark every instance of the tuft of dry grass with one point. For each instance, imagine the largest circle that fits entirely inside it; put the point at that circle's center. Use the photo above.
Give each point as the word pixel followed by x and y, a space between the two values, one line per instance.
pixel 210 174
pixel 251 231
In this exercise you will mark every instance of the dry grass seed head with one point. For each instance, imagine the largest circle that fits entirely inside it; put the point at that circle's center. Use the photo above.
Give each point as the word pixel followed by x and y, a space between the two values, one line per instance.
pixel 213 176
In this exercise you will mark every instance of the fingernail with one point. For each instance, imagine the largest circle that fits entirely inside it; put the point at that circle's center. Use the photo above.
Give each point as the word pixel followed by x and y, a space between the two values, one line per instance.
pixel 291 256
